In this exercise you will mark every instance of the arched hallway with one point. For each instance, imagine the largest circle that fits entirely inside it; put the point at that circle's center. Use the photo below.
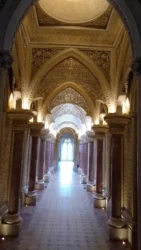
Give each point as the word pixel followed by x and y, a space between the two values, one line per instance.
pixel 63 219
pixel 73 79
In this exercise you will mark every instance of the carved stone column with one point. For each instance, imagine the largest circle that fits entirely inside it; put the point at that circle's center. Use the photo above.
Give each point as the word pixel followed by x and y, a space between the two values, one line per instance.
pixel 19 125
pixel 99 199
pixel 35 128
pixel 56 152
pixel 116 124
pixel 90 184
pixel 40 183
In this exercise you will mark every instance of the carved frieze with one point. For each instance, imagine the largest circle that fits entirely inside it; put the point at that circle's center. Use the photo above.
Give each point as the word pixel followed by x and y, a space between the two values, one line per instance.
pixel 99 23
pixel 70 70
pixel 69 95
pixel 40 56
pixel 101 59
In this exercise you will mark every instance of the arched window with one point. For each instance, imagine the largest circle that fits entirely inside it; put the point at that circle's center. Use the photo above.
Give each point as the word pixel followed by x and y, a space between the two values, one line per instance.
pixel 67 150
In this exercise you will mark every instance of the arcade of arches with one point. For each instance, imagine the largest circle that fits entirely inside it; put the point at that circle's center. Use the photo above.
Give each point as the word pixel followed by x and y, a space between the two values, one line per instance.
pixel 68 92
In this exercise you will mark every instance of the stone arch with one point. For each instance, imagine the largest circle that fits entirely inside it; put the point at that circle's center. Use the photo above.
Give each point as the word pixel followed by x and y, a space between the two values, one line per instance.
pixel 61 56
pixel 62 87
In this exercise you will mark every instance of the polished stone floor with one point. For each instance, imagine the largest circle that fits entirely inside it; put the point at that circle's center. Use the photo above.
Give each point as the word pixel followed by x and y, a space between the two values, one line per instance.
pixel 63 219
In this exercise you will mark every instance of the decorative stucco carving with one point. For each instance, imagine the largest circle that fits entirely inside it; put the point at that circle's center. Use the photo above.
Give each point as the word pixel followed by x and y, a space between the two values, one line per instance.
pixel 46 20
pixel 69 95
pixel 102 59
pixel 70 70
pixel 40 56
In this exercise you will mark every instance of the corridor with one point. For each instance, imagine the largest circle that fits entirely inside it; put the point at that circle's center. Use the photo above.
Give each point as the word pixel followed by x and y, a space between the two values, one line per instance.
pixel 63 219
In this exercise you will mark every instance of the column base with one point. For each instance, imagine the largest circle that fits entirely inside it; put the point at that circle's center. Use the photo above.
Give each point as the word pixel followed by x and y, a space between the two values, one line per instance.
pixel 47 178
pixel 99 201
pixel 8 230
pixel 84 179
pixel 40 185
pixel 90 187
pixel 117 229
pixel 11 225
pixel 30 199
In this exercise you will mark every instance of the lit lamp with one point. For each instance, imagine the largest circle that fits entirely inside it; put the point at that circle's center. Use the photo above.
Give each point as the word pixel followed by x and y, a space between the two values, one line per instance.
pixel 102 121
pixel 12 102
pixel 126 106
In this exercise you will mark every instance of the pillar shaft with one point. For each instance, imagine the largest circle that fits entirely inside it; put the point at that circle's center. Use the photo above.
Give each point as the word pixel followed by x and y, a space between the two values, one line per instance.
pixel 116 167
pixel 91 162
pixel 19 125
pixel 42 159
pixel 116 127
pixel 33 163
pixel 99 171
pixel 47 157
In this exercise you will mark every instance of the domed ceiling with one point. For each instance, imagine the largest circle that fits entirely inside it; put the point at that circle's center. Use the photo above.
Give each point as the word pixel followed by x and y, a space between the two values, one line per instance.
pixel 74 11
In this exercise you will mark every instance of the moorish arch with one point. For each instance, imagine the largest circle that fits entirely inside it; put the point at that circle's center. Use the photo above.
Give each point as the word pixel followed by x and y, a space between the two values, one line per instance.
pixel 64 86
pixel 62 56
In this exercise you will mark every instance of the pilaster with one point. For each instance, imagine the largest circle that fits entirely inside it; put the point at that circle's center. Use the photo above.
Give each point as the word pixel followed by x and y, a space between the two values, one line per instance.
pixel 90 170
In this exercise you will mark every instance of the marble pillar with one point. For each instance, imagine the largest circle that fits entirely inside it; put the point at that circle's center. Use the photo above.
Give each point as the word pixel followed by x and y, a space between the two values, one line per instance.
pixel 13 219
pixel 99 199
pixel 47 163
pixel 30 197
pixel 84 162
pixel 90 170
pixel 117 123
pixel 40 182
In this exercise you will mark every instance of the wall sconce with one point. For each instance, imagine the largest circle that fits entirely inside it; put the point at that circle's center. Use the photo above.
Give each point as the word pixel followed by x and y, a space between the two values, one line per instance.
pixel 12 102
pixel 102 121
pixel 126 106
pixel 112 109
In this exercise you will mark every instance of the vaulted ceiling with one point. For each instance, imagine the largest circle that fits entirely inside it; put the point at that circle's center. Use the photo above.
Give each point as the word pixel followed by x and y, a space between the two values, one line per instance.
pixel 65 61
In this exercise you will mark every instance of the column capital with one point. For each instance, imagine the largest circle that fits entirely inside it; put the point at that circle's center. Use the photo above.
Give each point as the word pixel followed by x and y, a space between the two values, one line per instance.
pixel 35 128
pixel 100 131
pixel 5 59
pixel 117 122
pixel 43 134
pixel 91 135
pixel 20 118
pixel 136 66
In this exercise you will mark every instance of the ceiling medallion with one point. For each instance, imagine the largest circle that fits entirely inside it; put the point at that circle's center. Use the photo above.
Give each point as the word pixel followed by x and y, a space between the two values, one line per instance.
pixel 74 11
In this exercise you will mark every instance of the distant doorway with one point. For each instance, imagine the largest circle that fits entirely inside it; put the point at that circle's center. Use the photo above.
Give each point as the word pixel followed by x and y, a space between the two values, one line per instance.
pixel 67 149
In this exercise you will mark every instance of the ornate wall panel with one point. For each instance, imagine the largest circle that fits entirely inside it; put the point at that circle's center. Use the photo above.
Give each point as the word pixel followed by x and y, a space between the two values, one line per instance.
pixel 128 169
pixel 102 60
pixel 69 95
pixel 40 56
pixel 70 70
pixel 46 20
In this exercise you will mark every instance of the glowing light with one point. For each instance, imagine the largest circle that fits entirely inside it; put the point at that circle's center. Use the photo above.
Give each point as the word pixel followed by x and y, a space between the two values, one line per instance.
pixel 46 125
pixel 123 243
pixel 112 108
pixel 3 238
pixel 96 122
pixel 12 102
pixel 39 118
pixel 25 104
pixel 66 169
pixel 31 120
pixel 126 106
